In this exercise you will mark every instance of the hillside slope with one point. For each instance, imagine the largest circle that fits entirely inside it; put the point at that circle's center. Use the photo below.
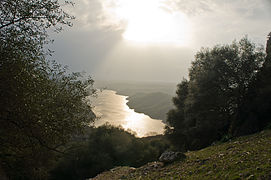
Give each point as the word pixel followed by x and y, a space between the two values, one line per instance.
pixel 156 105
pixel 247 157
pixel 150 98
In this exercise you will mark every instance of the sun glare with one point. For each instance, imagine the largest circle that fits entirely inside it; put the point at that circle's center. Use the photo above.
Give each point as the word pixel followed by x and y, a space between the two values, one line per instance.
pixel 151 21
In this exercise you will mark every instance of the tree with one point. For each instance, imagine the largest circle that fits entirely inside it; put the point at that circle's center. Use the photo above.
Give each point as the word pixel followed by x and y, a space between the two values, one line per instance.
pixel 42 106
pixel 32 17
pixel 176 117
pixel 218 81
pixel 254 114
pixel 107 147
pixel 268 48
pixel 24 23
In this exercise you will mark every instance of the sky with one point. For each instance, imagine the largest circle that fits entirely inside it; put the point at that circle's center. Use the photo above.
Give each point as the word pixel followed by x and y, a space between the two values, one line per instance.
pixel 153 40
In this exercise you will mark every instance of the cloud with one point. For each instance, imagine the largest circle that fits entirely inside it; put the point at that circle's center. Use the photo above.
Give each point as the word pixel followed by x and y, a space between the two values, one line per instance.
pixel 215 21
pixel 84 50
pixel 268 5
pixel 92 14
pixel 84 46
pixel 234 7
pixel 95 43
pixel 149 63
pixel 190 7
pixel 200 7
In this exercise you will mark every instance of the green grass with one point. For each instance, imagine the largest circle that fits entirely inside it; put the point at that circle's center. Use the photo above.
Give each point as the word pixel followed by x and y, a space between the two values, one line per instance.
pixel 247 157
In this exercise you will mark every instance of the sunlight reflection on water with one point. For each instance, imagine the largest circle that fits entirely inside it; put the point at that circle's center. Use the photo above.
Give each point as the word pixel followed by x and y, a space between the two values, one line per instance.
pixel 112 108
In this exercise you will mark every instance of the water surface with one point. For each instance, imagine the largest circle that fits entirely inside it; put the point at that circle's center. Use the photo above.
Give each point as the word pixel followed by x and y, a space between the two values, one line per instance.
pixel 112 108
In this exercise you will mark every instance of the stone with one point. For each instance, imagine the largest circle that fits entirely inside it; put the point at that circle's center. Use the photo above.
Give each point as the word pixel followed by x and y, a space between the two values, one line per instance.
pixel 250 177
pixel 155 165
pixel 170 156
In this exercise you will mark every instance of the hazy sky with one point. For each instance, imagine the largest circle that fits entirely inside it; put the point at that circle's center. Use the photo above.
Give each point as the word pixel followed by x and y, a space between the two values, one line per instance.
pixel 154 40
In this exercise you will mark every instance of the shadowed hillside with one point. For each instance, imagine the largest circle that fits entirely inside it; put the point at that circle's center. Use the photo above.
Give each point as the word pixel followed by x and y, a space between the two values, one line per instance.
pixel 152 99
pixel 246 157
pixel 156 105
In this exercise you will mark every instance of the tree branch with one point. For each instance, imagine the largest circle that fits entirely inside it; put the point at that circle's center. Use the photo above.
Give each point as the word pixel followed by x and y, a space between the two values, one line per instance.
pixel 20 19
pixel 12 22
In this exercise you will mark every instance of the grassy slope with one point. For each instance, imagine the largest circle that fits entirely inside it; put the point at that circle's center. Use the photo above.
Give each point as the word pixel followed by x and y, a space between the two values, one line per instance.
pixel 247 157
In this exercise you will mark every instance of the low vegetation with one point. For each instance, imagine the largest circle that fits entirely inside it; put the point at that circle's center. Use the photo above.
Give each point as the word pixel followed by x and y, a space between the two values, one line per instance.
pixel 106 147
pixel 247 157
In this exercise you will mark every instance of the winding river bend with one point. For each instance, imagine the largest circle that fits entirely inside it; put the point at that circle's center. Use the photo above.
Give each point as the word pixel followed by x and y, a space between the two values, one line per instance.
pixel 112 108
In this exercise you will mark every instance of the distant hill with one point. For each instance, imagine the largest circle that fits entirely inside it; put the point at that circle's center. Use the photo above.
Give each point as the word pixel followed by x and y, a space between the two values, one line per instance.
pixel 156 105
pixel 151 98
pixel 246 157
pixel 132 88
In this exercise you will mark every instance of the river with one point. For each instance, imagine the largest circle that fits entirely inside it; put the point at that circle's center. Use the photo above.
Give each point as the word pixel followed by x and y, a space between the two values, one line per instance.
pixel 112 108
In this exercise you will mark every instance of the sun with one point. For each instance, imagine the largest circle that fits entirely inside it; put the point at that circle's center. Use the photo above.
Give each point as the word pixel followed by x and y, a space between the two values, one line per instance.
pixel 151 21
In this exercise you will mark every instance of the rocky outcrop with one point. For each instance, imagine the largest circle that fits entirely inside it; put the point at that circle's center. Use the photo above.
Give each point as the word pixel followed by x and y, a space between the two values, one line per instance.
pixel 170 156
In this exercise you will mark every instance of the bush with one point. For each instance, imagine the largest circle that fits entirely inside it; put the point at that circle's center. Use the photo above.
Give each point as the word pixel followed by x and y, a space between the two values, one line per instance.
pixel 105 148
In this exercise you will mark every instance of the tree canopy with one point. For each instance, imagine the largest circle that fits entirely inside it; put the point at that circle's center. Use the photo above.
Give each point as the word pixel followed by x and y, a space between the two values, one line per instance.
pixel 107 147
pixel 42 106
pixel 207 105
pixel 254 114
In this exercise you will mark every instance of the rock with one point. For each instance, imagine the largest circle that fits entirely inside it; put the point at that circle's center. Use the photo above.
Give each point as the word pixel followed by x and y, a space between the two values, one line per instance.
pixel 170 156
pixel 155 165
pixel 152 166
pixel 229 147
pixel 250 177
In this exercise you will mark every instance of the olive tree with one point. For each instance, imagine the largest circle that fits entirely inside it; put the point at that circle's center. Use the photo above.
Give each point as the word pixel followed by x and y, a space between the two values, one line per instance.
pixel 209 103
pixel 42 106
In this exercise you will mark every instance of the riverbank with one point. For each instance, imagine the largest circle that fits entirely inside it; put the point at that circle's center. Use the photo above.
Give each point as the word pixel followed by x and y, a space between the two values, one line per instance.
pixel 111 107
pixel 152 99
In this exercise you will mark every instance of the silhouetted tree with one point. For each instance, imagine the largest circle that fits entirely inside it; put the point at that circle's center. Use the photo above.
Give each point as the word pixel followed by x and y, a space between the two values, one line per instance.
pixel 254 114
pixel 107 147
pixel 218 82
pixel 176 117
pixel 42 106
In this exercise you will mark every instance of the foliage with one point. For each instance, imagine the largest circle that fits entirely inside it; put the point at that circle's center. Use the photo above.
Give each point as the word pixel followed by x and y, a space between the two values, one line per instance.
pixel 245 157
pixel 176 134
pixel 105 148
pixel 254 114
pixel 24 25
pixel 42 106
pixel 32 18
pixel 208 104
